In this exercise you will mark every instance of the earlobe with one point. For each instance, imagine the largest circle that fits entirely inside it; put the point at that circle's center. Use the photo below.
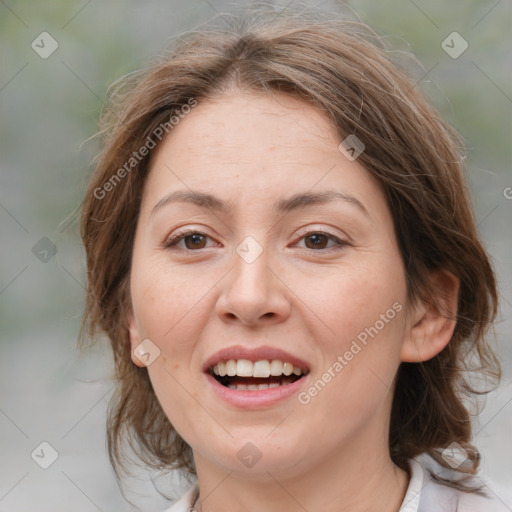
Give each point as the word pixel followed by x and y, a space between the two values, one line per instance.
pixel 135 338
pixel 432 324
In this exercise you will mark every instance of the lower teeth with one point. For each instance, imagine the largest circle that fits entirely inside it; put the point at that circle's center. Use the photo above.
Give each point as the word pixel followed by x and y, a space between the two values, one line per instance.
pixel 255 387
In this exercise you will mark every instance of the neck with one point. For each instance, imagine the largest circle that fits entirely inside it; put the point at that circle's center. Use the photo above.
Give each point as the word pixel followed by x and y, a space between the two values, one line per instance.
pixel 357 480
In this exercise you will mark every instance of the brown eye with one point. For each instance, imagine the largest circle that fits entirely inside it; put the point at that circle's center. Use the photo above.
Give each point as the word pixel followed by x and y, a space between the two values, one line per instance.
pixel 196 241
pixel 192 240
pixel 319 241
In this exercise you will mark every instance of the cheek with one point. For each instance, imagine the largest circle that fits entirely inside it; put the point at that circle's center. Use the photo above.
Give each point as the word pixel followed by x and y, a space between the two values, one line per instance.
pixel 365 311
pixel 167 314
pixel 164 300
pixel 354 300
pixel 364 308
pixel 174 393
pixel 171 309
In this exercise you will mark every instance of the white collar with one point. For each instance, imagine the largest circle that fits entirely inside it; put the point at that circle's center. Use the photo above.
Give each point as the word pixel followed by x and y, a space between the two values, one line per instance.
pixel 411 502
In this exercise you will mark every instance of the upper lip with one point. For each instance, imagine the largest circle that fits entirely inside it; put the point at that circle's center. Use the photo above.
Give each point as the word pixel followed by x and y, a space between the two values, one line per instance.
pixel 255 354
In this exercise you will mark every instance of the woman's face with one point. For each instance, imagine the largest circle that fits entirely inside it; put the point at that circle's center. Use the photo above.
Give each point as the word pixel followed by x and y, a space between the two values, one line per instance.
pixel 287 262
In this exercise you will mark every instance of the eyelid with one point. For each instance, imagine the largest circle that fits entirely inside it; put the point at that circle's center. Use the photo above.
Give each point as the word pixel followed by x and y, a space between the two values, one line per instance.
pixel 325 230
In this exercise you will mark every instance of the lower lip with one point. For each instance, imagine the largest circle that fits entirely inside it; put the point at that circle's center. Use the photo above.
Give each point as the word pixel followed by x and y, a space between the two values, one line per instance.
pixel 258 398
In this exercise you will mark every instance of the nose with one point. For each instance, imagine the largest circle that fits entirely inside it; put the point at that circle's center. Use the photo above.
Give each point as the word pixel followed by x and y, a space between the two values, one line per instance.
pixel 253 293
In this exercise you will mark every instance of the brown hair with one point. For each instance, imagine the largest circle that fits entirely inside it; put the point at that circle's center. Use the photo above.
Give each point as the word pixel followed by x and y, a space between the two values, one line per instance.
pixel 343 68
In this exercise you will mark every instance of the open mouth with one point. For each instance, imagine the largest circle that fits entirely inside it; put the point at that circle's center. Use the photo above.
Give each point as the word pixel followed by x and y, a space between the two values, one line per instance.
pixel 245 375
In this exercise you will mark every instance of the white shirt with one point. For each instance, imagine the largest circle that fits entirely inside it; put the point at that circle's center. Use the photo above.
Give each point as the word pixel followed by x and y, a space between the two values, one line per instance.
pixel 423 495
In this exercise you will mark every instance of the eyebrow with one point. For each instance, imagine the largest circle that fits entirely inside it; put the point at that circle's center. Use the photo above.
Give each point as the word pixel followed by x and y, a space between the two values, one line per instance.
pixel 295 202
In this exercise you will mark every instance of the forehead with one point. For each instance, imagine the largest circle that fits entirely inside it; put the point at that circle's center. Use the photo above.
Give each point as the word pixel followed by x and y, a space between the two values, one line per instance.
pixel 284 117
pixel 250 145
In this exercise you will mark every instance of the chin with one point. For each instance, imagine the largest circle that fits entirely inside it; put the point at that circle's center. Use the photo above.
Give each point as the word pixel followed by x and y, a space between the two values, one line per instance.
pixel 256 456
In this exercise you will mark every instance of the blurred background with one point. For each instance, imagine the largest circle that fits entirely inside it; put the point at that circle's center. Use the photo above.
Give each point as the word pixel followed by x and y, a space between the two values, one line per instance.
pixel 57 59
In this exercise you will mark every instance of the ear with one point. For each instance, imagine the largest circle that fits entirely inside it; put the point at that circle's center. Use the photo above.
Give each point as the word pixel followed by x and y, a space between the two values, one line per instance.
pixel 431 325
pixel 135 338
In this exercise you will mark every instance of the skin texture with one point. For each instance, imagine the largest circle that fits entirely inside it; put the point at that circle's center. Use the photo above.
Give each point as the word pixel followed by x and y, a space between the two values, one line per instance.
pixel 200 296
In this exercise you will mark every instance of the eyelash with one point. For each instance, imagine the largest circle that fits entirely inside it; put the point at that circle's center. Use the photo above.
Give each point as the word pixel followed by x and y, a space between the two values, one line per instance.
pixel 176 239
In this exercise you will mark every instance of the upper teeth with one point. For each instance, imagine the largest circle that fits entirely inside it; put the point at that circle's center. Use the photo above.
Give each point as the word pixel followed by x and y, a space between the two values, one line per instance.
pixel 246 368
